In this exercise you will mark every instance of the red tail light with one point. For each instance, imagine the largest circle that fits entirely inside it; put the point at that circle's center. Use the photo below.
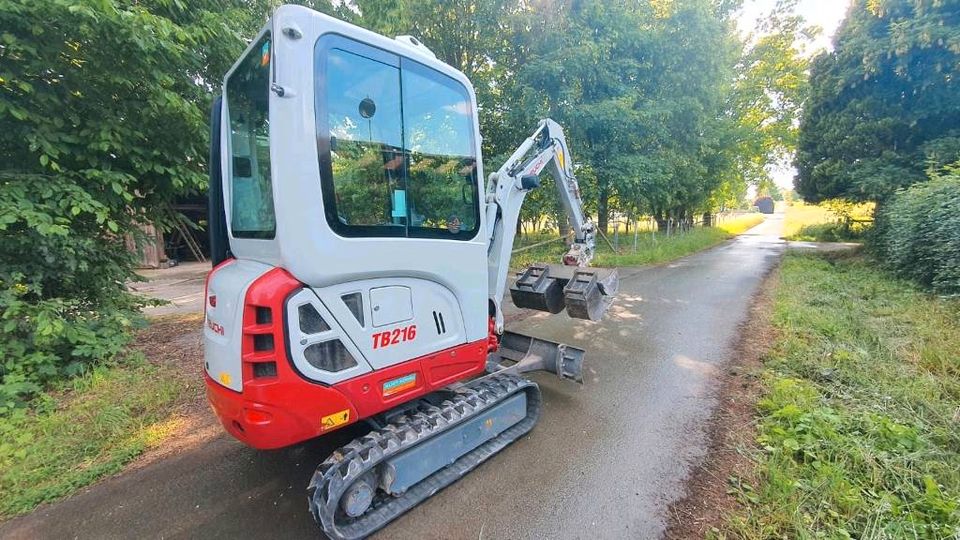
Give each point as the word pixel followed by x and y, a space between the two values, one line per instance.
pixel 206 283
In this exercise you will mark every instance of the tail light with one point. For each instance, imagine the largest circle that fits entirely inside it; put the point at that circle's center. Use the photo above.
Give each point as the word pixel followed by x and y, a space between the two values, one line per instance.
pixel 211 299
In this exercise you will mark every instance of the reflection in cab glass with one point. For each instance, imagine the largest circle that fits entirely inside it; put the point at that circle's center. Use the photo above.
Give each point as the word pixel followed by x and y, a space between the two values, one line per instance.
pixel 401 149
pixel 248 98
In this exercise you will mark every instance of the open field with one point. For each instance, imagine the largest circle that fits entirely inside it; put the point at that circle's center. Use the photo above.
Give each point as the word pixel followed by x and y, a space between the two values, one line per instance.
pixel 651 248
pixel 823 223
pixel 858 424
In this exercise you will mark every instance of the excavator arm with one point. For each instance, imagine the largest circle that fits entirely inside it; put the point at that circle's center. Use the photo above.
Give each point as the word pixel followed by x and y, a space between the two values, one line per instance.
pixel 584 292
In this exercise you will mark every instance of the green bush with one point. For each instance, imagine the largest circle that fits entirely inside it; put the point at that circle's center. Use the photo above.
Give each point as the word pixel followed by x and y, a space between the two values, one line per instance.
pixel 62 305
pixel 103 107
pixel 918 232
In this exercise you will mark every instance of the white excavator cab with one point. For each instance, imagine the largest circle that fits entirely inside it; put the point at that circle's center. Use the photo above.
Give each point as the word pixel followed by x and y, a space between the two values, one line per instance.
pixel 351 161
pixel 361 259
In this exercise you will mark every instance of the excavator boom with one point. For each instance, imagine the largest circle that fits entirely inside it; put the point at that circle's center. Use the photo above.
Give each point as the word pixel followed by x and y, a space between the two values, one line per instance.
pixel 584 292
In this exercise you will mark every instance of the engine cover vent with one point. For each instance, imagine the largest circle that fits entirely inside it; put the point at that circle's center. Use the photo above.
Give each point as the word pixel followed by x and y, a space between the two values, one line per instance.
pixel 354 302
pixel 310 321
pixel 438 320
pixel 329 356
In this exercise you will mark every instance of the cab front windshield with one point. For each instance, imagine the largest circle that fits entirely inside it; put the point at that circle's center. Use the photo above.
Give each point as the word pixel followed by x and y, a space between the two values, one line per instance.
pixel 397 148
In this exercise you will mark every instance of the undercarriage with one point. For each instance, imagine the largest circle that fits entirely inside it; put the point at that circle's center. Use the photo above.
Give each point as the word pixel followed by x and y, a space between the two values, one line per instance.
pixel 375 478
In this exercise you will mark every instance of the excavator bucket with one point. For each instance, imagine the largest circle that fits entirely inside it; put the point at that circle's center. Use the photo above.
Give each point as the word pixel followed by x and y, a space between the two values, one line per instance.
pixel 585 292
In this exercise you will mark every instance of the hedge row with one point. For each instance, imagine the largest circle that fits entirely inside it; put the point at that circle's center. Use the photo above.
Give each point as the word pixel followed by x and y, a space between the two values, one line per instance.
pixel 919 232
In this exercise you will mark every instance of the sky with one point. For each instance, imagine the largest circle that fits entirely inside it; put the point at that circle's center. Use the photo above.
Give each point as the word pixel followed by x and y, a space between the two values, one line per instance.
pixel 827 14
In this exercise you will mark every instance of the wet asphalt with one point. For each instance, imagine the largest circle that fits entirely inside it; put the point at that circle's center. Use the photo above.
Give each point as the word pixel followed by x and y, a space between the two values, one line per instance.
pixel 605 461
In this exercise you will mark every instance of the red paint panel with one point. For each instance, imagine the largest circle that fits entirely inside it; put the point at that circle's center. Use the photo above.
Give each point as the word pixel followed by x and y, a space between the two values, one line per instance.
pixel 277 415
pixel 273 412
pixel 449 366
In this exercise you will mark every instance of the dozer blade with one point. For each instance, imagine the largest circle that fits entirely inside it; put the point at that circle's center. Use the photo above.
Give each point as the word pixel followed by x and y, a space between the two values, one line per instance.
pixel 535 354
pixel 585 292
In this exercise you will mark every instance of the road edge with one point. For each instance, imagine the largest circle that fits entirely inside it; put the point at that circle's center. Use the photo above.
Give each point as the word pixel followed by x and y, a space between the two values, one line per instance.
pixel 732 424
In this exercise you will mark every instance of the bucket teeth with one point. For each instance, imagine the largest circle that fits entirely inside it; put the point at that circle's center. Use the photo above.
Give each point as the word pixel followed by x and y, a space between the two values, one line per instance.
pixel 586 293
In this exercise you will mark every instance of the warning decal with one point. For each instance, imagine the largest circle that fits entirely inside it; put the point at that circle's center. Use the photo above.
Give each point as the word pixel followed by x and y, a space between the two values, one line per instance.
pixel 331 421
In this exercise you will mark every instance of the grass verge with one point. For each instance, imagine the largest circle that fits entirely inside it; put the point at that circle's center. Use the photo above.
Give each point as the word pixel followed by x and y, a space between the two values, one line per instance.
pixel 651 248
pixel 86 429
pixel 859 425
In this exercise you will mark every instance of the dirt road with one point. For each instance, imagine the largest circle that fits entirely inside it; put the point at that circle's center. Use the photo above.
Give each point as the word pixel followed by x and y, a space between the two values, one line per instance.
pixel 605 460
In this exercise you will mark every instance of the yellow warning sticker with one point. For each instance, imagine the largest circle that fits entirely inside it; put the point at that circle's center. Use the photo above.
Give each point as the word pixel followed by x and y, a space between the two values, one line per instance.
pixel 224 378
pixel 331 421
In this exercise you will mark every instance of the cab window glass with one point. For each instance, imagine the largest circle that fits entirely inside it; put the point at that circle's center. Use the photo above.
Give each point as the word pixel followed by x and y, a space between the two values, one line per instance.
pixel 248 96
pixel 438 139
pixel 366 139
pixel 396 144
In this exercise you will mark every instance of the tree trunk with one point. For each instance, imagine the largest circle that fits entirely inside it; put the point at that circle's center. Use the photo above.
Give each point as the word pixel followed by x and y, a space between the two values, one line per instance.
pixel 603 207
pixel 707 219
pixel 661 221
pixel 564 225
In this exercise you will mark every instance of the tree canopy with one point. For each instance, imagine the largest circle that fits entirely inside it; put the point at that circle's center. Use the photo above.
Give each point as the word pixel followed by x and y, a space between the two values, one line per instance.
pixel 884 105
pixel 668 110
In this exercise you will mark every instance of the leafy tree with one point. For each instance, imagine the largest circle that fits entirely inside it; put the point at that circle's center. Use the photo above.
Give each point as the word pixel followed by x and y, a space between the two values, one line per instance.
pixel 885 104
pixel 660 110
pixel 768 95
pixel 774 192
pixel 920 231
pixel 104 108
pixel 640 89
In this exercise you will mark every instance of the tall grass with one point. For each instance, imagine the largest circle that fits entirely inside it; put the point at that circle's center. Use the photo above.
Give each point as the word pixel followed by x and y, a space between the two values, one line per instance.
pixel 859 429
pixel 88 428
pixel 919 233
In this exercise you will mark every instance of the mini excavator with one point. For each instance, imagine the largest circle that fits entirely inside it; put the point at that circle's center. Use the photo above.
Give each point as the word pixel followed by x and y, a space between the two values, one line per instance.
pixel 360 263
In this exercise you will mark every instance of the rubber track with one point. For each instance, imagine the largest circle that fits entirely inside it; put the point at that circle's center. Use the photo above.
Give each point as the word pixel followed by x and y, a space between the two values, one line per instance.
pixel 353 460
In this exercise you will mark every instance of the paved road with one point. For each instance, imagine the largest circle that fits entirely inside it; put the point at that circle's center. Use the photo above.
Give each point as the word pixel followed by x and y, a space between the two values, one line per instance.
pixel 181 286
pixel 604 462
